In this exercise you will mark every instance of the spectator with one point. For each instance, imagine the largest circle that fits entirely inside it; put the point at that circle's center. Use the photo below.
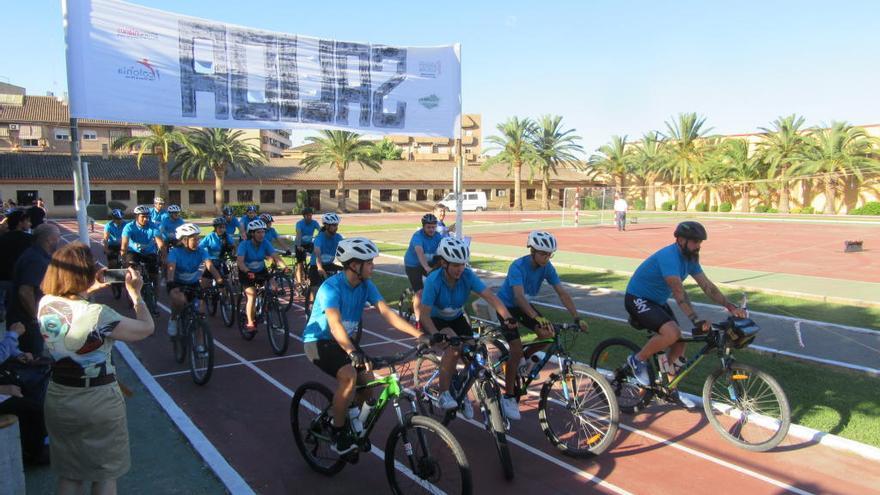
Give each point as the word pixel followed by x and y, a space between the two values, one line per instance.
pixel 12 244
pixel 85 411
pixel 620 207
pixel 37 215
pixel 26 278
pixel 23 397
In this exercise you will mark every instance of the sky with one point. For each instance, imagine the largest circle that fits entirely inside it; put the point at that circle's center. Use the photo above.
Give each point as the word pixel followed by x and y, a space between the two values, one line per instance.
pixel 607 67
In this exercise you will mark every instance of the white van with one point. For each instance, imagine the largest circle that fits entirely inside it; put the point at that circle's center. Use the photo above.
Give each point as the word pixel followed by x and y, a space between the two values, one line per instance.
pixel 472 201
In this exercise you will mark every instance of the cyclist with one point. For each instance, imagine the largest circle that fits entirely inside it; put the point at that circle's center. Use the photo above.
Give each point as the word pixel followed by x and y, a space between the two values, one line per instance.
pixel 339 307
pixel 170 223
pixel 185 265
pixel 418 260
pixel 524 279
pixel 113 237
pixel 272 234
pixel 231 222
pixel 220 244
pixel 252 255
pixel 249 216
pixel 157 212
pixel 305 232
pixel 141 242
pixel 660 276
pixel 321 265
pixel 446 292
pixel 440 211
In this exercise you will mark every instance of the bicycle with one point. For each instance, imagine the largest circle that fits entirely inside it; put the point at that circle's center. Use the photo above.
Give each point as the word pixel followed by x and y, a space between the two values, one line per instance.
pixel 268 309
pixel 420 453
pixel 405 305
pixel 311 292
pixel 148 291
pixel 735 396
pixel 194 338
pixel 112 253
pixel 284 287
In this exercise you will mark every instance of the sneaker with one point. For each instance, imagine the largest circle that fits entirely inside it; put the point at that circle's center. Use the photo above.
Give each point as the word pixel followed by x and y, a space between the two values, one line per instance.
pixel 682 399
pixel 172 328
pixel 467 409
pixel 639 369
pixel 344 443
pixel 447 402
pixel 251 327
pixel 510 408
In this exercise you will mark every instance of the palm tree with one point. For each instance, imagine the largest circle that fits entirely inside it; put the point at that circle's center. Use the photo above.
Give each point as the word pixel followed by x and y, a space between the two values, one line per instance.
pixel 648 164
pixel 553 146
pixel 219 151
pixel 339 149
pixel 386 150
pixel 163 141
pixel 515 149
pixel 836 152
pixel 741 167
pixel 781 148
pixel 709 172
pixel 685 152
pixel 614 159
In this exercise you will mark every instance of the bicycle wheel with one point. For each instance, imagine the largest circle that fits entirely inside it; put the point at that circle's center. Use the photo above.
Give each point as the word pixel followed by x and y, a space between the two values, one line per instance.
pixel 405 305
pixel 180 341
pixel 426 380
pixel 747 407
pixel 276 327
pixel 228 306
pixel 609 359
pixel 242 319
pixel 310 422
pixel 212 300
pixel 201 352
pixel 285 292
pixel 149 294
pixel 578 412
pixel 307 304
pixel 422 456
pixel 497 426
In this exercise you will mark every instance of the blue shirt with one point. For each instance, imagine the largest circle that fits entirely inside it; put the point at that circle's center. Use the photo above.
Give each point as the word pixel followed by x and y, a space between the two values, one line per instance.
pixel 530 279
pixel 447 302
pixel 141 239
pixel 114 233
pixel 429 246
pixel 307 230
pixel 328 248
pixel 213 244
pixel 271 234
pixel 649 282
pixel 169 225
pixel 255 256
pixel 242 224
pixel 231 225
pixel 442 229
pixel 157 217
pixel 188 265
pixel 336 293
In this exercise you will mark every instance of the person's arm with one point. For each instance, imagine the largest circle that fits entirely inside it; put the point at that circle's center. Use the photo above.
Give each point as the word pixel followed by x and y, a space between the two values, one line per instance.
pixel 298 238
pixel 420 253
pixel 240 262
pixel 496 303
pixel 337 330
pixel 171 266
pixel 105 238
pixel 713 293
pixel 519 295
pixel 28 299
pixel 566 300
pixel 278 261
pixel 160 243
pixel 133 330
pixel 681 298
pixel 316 252
pixel 212 269
pixel 9 345
pixel 124 246
pixel 425 319
pixel 396 321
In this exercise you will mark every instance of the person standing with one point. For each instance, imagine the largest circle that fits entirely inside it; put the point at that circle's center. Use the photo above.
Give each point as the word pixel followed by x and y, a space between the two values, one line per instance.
pixel 620 207
pixel 27 275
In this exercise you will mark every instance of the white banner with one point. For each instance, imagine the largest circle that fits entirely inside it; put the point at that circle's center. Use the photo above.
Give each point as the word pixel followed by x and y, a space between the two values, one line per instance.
pixel 135 64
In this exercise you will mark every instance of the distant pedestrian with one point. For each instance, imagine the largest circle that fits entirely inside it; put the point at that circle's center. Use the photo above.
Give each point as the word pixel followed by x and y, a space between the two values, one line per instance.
pixel 620 207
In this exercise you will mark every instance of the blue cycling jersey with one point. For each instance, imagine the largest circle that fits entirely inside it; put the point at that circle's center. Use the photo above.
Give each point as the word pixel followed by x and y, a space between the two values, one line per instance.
pixel 447 302
pixel 336 293
pixel 188 265
pixel 157 217
pixel 141 239
pixel 114 233
pixel 243 223
pixel 429 246
pixel 523 273
pixel 232 225
pixel 442 229
pixel 169 225
pixel 307 230
pixel 327 245
pixel 255 256
pixel 271 234
pixel 213 243
pixel 649 282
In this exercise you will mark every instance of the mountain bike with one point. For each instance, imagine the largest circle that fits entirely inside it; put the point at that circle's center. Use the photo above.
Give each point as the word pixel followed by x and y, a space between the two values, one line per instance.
pixel 268 310
pixel 421 455
pixel 194 338
pixel 405 305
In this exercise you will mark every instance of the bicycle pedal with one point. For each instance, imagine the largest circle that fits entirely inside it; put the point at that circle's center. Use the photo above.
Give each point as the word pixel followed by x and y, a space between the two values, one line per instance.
pixel 364 445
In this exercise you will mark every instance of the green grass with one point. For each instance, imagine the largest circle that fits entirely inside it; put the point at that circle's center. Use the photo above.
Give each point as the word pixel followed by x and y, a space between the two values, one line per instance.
pixel 758 301
pixel 827 399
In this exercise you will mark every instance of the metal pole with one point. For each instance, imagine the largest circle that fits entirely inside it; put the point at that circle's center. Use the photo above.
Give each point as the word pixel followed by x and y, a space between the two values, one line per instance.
pixel 459 191
pixel 80 184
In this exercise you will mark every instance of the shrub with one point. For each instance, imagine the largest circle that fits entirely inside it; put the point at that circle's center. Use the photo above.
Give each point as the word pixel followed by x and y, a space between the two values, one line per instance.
pixel 639 204
pixel 760 209
pixel 590 203
pixel 668 205
pixel 772 210
pixel 725 207
pixel 714 208
pixel 872 208
pixel 806 210
pixel 702 207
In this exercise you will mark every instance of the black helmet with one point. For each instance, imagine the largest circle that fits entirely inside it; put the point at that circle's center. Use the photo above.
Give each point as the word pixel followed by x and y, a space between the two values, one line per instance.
pixel 429 218
pixel 691 230
pixel 308 210
pixel 218 221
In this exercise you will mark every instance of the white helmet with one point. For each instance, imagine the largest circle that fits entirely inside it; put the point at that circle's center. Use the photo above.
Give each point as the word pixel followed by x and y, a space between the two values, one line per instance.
pixel 542 241
pixel 453 250
pixel 356 248
pixel 173 209
pixel 330 219
pixel 256 225
pixel 142 210
pixel 187 229
pixel 158 199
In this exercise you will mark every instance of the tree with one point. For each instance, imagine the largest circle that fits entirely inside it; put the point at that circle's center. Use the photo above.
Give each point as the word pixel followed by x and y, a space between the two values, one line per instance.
pixel 649 160
pixel 514 148
pixel 741 167
pixel 385 150
pixel 339 149
pixel 615 160
pixel 685 153
pixel 782 147
pixel 553 147
pixel 163 141
pixel 219 151
pixel 839 151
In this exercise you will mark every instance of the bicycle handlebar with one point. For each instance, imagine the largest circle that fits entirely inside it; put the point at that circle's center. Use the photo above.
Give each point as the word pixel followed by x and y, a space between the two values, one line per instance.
pixel 380 362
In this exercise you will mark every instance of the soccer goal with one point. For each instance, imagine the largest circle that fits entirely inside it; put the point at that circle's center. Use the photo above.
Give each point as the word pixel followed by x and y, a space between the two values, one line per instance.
pixel 587 206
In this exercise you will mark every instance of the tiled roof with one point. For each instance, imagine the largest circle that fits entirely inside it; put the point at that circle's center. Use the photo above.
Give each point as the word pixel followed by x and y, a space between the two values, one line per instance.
pixel 45 110
pixel 18 167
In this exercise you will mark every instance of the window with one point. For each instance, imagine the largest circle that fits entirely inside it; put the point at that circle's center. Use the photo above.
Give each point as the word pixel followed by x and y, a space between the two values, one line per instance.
pixel 421 194
pixel 332 193
pixel 288 195
pixel 98 197
pixel 30 143
pixel 438 195
pixel 174 197
pixel 530 194
pixel 267 195
pixel 385 194
pixel 197 197
pixel 470 197
pixel 4 132
pixel 63 198
pixel 120 195
pixel 62 134
pixel 226 197
pixel 245 196
pixel 145 196
pixel 488 193
pixel 500 193
pixel 25 197
pixel 403 195
pixel 313 198
pixel 90 135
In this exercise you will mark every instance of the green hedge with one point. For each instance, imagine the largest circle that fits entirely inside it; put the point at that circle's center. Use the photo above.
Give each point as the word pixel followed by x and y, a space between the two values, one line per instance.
pixel 702 207
pixel 772 210
pixel 806 210
pixel 872 208
pixel 668 205
pixel 760 209
pixel 725 207
pixel 639 204
pixel 714 208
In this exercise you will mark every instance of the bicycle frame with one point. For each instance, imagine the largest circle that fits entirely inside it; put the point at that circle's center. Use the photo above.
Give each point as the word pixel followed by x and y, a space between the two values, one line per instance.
pixel 709 344
pixel 391 393
pixel 556 349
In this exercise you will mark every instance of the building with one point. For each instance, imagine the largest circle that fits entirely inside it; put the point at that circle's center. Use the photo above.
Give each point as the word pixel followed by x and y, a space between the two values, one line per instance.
pixel 273 142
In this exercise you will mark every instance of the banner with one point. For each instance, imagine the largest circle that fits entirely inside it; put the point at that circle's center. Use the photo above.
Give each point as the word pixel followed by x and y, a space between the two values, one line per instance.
pixel 135 64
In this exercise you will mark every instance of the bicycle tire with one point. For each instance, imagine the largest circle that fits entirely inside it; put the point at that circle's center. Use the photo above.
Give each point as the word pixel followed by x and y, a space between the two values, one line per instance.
pixel 242 319
pixel 721 421
pixel 405 305
pixel 611 363
pixel 285 287
pixel 148 292
pixel 310 424
pixel 492 402
pixel 228 305
pixel 593 407
pixel 426 381
pixel 212 300
pixel 201 367
pixel 181 340
pixel 276 327
pixel 413 437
